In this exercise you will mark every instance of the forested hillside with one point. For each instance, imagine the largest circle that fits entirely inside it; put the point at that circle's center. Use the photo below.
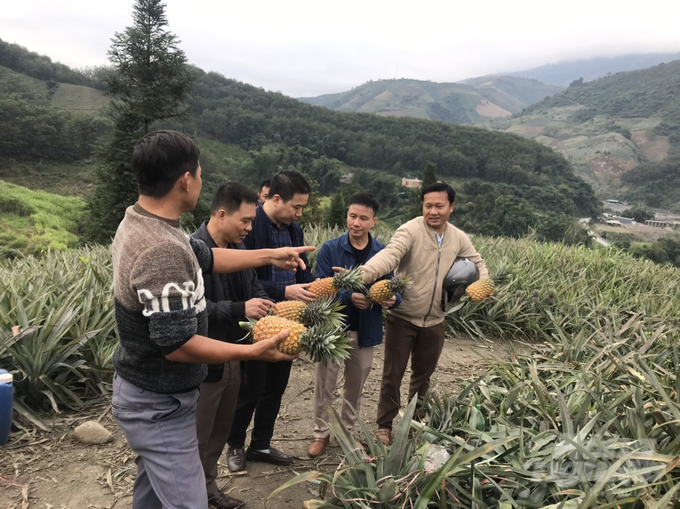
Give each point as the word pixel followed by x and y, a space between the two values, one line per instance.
pixel 247 133
pixel 621 132
pixel 468 102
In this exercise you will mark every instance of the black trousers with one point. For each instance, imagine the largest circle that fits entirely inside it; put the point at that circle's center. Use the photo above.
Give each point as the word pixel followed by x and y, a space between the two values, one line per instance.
pixel 262 387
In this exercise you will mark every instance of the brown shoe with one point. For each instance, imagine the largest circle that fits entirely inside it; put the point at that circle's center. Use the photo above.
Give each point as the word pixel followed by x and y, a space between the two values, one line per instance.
pixel 223 501
pixel 317 447
pixel 384 435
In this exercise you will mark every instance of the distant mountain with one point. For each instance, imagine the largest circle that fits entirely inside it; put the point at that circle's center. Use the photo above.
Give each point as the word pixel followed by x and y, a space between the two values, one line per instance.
pixel 621 132
pixel 563 73
pixel 475 101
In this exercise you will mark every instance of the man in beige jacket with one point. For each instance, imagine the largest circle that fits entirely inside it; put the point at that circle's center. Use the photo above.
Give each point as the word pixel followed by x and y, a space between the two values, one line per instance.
pixel 423 248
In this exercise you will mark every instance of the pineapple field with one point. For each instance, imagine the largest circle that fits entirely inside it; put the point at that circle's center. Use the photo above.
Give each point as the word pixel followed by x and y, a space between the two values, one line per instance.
pixel 580 409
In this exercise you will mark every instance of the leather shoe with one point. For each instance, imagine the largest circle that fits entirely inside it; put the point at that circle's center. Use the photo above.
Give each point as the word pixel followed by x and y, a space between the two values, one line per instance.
pixel 317 447
pixel 274 456
pixel 223 501
pixel 236 459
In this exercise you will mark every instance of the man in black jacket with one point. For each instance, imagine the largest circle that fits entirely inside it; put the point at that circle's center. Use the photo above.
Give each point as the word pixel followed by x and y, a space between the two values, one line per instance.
pixel 265 382
pixel 230 298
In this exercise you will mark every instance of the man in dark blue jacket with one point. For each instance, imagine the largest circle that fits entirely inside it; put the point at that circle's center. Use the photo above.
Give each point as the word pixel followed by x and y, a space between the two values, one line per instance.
pixel 264 383
pixel 364 321
pixel 230 298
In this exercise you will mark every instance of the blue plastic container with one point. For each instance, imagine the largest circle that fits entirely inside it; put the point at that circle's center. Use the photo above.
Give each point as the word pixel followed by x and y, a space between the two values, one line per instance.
pixel 6 403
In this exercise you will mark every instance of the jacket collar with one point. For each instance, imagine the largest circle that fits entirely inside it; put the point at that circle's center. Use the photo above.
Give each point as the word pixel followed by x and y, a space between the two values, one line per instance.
pixel 347 245
pixel 204 235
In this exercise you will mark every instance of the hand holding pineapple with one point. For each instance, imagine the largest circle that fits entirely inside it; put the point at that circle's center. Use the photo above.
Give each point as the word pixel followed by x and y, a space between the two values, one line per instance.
pixel 257 308
pixel 346 279
pixel 360 301
pixel 270 349
pixel 321 343
pixel 299 292
pixel 386 304
pixel 385 290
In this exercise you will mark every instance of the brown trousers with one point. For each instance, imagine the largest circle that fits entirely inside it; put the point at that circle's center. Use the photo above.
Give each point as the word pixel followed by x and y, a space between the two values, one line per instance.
pixel 214 415
pixel 403 340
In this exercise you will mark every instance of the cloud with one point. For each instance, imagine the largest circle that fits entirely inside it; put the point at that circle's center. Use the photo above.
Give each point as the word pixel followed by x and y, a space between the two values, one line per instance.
pixel 305 48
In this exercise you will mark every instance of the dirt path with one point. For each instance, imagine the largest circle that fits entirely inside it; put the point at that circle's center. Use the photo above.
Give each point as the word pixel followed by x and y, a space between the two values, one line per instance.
pixel 54 471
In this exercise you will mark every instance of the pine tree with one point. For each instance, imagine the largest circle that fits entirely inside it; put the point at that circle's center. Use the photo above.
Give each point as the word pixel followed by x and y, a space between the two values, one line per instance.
pixel 429 177
pixel 337 212
pixel 149 83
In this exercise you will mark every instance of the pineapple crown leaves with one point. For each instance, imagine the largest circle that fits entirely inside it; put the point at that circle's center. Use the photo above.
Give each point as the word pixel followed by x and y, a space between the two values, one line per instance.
pixel 399 282
pixel 323 344
pixel 323 312
pixel 349 279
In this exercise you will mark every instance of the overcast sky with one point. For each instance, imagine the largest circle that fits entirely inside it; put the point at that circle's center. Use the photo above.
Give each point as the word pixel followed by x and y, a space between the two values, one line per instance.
pixel 308 48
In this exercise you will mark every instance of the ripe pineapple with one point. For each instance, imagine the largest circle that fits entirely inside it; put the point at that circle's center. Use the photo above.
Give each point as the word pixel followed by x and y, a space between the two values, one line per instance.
pixel 329 286
pixel 320 312
pixel 386 288
pixel 480 290
pixel 321 344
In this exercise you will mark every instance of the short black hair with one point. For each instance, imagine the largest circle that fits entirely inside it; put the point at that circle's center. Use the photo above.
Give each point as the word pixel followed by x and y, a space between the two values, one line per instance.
pixel 289 183
pixel 265 183
pixel 162 157
pixel 365 199
pixel 438 187
pixel 230 196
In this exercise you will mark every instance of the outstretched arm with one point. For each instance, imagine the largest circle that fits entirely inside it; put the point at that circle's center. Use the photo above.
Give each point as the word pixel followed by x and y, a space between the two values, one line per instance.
pixel 387 259
pixel 200 349
pixel 234 260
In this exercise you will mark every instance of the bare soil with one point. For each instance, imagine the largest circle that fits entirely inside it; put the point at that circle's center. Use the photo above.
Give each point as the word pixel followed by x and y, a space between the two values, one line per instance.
pixel 40 470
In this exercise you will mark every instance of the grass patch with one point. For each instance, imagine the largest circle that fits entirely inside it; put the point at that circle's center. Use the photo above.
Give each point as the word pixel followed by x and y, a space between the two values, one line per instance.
pixel 76 179
pixel 36 222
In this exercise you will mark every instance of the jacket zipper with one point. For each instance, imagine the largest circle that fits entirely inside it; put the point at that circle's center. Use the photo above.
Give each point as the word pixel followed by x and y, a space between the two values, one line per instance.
pixel 436 278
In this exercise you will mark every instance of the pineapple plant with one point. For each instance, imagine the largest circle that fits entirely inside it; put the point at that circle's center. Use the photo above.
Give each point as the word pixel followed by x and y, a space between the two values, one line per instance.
pixel 480 290
pixel 320 343
pixel 347 280
pixel 387 288
pixel 320 312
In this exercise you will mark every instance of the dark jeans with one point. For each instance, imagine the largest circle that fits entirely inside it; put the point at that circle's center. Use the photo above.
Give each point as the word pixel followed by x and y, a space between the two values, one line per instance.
pixel 262 387
pixel 403 340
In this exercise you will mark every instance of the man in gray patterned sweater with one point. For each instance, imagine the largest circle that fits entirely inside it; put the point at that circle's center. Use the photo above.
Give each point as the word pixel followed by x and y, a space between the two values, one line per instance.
pixel 160 313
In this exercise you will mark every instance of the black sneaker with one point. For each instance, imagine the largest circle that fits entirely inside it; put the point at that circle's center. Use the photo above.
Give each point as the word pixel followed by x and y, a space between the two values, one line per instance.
pixel 223 501
pixel 236 459
pixel 274 456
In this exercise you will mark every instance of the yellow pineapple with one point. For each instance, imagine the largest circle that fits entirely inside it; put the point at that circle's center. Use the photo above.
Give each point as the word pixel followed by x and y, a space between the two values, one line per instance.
pixel 480 290
pixel 329 286
pixel 321 344
pixel 289 309
pixel 270 326
pixel 320 312
pixel 385 289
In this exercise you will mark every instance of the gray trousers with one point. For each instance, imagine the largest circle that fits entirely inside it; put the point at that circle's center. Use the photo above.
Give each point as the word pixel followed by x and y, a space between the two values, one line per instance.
pixel 161 430
pixel 214 415
pixel 357 368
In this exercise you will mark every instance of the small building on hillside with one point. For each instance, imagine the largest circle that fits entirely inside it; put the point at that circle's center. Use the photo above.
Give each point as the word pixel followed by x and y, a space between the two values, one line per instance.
pixel 623 220
pixel 412 183
pixel 346 178
pixel 613 222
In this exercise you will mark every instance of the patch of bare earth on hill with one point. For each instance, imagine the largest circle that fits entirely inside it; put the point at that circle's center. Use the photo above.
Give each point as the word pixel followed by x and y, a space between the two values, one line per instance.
pixel 529 131
pixel 53 471
pixel 607 167
pixel 491 110
pixel 655 148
